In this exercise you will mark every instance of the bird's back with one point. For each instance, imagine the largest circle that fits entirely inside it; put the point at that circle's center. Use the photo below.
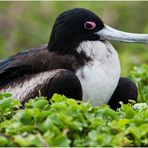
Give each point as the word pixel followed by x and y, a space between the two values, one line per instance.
pixel 34 61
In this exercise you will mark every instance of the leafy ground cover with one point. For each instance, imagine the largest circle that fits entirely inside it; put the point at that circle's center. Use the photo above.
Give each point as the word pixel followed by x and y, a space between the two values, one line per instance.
pixel 140 77
pixel 67 122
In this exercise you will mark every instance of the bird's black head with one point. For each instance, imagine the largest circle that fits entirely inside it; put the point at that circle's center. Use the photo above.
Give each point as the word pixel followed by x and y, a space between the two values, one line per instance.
pixel 71 28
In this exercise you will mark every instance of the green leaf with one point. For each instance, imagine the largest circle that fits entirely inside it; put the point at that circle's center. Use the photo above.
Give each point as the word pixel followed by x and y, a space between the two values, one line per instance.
pixel 61 141
pixel 4 141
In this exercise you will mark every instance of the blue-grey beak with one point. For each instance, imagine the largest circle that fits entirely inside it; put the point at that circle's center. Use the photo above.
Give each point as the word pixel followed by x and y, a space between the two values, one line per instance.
pixel 108 33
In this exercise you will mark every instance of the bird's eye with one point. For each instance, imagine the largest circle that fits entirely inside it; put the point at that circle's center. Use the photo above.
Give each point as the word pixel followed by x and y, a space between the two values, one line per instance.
pixel 89 25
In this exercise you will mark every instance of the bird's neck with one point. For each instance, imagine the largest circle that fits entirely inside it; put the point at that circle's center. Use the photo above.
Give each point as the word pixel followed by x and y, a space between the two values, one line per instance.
pixel 65 46
pixel 61 43
pixel 62 47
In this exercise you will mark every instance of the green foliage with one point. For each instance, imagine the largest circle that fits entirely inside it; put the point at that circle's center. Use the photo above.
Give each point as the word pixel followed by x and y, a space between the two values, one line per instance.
pixel 140 76
pixel 7 106
pixel 67 122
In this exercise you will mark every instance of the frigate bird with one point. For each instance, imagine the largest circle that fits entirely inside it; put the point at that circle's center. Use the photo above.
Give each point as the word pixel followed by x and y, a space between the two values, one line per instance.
pixel 78 62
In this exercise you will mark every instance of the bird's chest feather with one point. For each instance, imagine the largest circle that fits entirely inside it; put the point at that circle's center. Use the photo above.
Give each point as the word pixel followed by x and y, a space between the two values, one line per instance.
pixel 100 76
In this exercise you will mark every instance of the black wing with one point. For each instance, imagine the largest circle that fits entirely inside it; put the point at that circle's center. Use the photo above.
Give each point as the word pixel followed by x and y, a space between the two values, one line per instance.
pixel 4 63
pixel 19 64
pixel 34 61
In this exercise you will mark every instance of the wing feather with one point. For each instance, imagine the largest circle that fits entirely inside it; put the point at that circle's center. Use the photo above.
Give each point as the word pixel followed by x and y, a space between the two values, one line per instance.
pixel 19 64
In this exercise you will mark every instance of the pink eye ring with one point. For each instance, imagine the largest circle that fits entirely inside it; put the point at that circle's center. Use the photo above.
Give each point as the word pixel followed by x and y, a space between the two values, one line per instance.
pixel 89 25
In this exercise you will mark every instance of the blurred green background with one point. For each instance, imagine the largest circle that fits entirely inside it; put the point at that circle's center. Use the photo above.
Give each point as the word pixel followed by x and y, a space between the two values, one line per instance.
pixel 28 24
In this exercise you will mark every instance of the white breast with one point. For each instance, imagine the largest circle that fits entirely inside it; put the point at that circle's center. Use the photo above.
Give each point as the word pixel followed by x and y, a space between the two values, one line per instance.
pixel 100 77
